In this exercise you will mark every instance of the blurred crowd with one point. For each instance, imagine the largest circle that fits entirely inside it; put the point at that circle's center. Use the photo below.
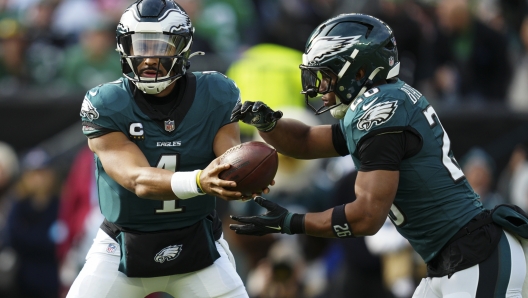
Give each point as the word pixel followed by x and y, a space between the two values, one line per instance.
pixel 452 50
pixel 455 51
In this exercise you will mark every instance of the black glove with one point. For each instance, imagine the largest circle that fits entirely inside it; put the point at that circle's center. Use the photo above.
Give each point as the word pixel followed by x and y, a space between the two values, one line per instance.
pixel 276 220
pixel 257 114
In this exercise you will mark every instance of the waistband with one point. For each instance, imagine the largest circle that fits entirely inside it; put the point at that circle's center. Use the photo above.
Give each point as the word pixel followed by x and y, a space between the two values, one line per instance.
pixel 485 219
pixel 113 230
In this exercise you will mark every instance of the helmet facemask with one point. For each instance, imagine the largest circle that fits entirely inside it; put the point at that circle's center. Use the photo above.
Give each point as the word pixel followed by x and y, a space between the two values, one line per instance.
pixel 168 55
pixel 317 80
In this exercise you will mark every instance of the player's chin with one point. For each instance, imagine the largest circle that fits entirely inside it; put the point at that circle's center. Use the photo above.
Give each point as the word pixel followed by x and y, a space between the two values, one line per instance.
pixel 328 100
pixel 327 103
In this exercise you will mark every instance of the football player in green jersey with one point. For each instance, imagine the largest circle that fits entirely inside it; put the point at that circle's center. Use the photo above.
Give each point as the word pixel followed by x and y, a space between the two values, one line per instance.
pixel 406 169
pixel 156 134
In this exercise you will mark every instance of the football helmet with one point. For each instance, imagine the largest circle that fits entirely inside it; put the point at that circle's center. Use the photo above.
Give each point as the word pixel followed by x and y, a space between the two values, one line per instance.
pixel 337 49
pixel 154 29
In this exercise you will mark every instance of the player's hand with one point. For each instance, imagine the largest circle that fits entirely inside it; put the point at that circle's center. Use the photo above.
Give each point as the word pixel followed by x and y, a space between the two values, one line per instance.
pixel 276 220
pixel 211 184
pixel 257 114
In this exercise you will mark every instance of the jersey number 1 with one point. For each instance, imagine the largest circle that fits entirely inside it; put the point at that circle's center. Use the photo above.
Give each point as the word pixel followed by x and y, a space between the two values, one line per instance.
pixel 169 162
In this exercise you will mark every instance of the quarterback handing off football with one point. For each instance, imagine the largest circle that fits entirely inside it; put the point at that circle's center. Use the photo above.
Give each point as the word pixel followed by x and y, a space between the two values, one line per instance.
pixel 253 166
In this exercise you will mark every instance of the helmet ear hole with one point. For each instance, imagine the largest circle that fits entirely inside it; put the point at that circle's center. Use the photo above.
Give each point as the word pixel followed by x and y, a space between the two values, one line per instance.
pixel 360 74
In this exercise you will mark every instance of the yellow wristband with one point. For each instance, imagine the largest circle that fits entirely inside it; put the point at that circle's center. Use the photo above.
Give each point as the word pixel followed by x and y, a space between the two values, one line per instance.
pixel 200 190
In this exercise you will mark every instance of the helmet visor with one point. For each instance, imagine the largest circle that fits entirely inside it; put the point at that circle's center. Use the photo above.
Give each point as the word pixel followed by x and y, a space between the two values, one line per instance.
pixel 152 44
pixel 317 80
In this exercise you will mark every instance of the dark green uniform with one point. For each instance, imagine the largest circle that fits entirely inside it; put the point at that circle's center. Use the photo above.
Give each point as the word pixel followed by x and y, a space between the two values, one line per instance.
pixel 182 141
pixel 434 200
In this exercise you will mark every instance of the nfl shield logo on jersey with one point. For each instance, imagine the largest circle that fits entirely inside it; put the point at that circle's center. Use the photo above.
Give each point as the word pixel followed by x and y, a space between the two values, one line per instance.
pixel 111 248
pixel 169 125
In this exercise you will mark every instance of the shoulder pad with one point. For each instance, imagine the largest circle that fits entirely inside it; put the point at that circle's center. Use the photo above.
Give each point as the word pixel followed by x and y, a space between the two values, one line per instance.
pixel 218 85
pixel 110 96
pixel 413 94
pixel 376 107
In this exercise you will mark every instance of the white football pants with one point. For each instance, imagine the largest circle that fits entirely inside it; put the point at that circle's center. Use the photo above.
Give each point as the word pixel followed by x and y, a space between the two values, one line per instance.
pixel 100 277
pixel 500 276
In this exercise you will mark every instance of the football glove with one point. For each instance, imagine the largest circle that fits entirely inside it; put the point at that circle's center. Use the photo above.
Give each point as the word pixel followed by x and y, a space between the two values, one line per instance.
pixel 277 220
pixel 257 114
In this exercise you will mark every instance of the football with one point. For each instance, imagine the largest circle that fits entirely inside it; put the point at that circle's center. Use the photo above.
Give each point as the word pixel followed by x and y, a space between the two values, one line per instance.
pixel 253 166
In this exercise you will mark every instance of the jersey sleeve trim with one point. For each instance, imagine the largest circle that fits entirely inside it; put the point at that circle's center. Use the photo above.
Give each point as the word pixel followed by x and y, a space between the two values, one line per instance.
pixel 92 130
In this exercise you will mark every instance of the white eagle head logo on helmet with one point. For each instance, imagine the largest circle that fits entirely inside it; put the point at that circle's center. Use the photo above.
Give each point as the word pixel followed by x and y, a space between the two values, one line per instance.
pixel 324 47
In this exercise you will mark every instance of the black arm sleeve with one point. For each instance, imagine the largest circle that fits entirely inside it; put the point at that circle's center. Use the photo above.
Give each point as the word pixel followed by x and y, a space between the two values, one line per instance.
pixel 386 150
pixel 338 139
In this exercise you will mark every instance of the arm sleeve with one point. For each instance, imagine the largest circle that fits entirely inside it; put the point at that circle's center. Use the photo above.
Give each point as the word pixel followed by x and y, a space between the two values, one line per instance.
pixel 385 151
pixel 339 141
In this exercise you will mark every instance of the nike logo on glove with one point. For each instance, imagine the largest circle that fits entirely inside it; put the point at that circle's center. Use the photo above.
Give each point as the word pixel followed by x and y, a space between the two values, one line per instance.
pixel 278 228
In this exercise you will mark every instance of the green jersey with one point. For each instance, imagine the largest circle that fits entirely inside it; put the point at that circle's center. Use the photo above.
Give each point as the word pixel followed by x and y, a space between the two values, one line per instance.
pixel 434 200
pixel 180 141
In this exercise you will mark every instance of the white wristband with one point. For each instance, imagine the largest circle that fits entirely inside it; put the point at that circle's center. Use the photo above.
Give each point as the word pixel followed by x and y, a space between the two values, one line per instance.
pixel 184 186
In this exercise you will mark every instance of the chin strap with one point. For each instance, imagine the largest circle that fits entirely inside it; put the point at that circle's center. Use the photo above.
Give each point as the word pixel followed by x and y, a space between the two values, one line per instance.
pixel 340 110
pixel 147 87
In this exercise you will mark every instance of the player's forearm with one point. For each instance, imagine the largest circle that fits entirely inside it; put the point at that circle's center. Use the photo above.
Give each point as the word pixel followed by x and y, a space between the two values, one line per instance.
pixel 319 224
pixel 296 139
pixel 361 221
pixel 152 183
pixel 287 137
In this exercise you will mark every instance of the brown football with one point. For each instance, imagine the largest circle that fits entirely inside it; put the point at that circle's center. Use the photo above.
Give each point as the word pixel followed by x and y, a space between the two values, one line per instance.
pixel 253 166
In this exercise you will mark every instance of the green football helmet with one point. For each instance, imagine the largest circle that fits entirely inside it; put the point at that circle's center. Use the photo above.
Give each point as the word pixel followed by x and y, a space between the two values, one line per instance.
pixel 337 49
